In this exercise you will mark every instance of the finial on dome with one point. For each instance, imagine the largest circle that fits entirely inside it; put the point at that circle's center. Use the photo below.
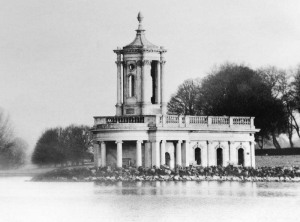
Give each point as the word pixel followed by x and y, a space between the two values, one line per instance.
pixel 140 17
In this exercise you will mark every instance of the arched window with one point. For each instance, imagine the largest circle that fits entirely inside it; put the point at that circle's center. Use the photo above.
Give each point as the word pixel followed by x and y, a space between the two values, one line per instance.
pixel 241 156
pixel 220 157
pixel 198 155
pixel 131 88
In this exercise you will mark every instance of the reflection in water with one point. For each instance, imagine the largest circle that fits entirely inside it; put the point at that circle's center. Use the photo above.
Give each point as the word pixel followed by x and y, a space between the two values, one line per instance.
pixel 202 188
pixel 148 201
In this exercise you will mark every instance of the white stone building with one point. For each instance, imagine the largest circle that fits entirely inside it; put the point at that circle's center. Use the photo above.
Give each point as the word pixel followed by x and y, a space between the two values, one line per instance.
pixel 142 134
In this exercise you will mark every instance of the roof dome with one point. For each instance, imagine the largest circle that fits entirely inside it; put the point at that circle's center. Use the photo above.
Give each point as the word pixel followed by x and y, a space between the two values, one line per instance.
pixel 140 40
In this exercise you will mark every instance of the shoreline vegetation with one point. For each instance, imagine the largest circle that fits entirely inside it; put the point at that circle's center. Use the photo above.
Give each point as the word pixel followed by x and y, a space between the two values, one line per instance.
pixel 164 173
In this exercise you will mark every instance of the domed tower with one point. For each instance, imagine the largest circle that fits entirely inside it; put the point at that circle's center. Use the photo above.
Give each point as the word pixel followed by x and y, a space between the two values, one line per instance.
pixel 140 77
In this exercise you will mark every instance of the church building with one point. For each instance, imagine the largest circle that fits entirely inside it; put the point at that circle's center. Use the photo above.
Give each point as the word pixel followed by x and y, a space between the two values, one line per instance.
pixel 142 134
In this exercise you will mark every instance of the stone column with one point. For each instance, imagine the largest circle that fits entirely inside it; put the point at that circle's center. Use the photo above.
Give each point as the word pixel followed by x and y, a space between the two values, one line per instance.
pixel 148 156
pixel 139 153
pixel 103 154
pixel 146 81
pixel 119 81
pixel 225 155
pixel 172 160
pixel 212 154
pixel 119 85
pixel 96 155
pixel 124 82
pixel 233 154
pixel 204 157
pixel 163 152
pixel 178 153
pixel 119 153
pixel 247 154
pixel 186 153
pixel 162 85
pixel 143 81
pixel 229 151
pixel 252 153
pixel 155 154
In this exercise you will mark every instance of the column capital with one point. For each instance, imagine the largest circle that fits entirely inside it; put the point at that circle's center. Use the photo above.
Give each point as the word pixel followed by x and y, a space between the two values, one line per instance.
pixel 119 62
pixel 209 142
pixel 155 141
pixel 163 62
pixel 119 141
pixel 102 142
pixel 187 141
pixel 179 141
pixel 139 141
pixel 163 141
pixel 146 62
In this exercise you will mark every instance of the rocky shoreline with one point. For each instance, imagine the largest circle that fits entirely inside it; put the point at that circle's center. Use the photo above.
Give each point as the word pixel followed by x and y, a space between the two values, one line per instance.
pixel 192 173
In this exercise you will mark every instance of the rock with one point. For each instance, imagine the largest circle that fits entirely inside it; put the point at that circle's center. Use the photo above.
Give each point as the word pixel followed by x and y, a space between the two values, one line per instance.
pixel 74 178
pixel 168 172
pixel 176 178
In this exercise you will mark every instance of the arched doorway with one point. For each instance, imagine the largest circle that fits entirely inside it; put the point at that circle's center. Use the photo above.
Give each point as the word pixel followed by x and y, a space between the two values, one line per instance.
pixel 241 156
pixel 198 155
pixel 167 159
pixel 220 157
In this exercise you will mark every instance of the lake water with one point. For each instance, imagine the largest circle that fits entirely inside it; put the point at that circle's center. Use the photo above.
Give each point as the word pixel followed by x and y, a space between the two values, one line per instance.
pixel 150 201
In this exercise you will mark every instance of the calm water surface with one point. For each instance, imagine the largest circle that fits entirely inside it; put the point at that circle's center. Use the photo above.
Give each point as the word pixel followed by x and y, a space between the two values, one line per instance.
pixel 151 201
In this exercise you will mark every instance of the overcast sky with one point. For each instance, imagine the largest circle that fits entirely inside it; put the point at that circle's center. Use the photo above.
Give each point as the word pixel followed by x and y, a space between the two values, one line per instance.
pixel 57 66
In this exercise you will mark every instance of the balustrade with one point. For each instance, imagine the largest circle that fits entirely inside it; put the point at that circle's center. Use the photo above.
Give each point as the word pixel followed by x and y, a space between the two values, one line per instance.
pixel 125 119
pixel 241 120
pixel 218 120
pixel 177 121
pixel 172 119
pixel 198 120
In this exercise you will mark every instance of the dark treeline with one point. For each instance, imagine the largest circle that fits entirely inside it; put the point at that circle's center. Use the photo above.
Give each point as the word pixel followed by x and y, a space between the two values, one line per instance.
pixel 271 95
pixel 62 146
pixel 12 149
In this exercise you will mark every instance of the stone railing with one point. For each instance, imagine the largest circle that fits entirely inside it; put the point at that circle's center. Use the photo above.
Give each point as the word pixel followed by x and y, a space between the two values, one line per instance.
pixel 174 121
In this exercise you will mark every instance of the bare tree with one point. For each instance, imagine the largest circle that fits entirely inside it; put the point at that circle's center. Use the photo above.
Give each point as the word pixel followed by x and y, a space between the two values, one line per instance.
pixel 186 100
pixel 12 149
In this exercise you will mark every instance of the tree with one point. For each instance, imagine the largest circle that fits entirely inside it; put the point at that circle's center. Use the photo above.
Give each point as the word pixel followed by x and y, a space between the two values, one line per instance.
pixel 282 89
pixel 75 142
pixel 237 90
pixel 12 149
pixel 61 145
pixel 48 149
pixel 185 101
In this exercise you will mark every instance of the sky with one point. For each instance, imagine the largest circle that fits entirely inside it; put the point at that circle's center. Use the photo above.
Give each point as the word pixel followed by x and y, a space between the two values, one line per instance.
pixel 57 66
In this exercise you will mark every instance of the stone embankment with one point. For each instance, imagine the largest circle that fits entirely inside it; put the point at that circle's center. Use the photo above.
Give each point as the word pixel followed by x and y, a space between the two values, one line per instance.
pixel 229 173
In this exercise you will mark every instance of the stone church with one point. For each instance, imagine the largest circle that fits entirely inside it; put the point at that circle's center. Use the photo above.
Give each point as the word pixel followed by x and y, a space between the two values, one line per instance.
pixel 142 134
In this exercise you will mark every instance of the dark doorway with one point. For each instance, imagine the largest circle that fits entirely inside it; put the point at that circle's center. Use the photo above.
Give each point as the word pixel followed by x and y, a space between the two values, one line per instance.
pixel 241 156
pixel 153 72
pixel 198 155
pixel 220 157
pixel 167 158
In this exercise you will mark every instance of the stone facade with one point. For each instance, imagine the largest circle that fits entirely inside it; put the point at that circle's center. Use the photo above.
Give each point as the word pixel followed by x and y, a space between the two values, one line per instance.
pixel 141 134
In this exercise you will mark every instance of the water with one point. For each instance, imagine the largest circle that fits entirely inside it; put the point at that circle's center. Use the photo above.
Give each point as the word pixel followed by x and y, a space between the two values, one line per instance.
pixel 155 201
